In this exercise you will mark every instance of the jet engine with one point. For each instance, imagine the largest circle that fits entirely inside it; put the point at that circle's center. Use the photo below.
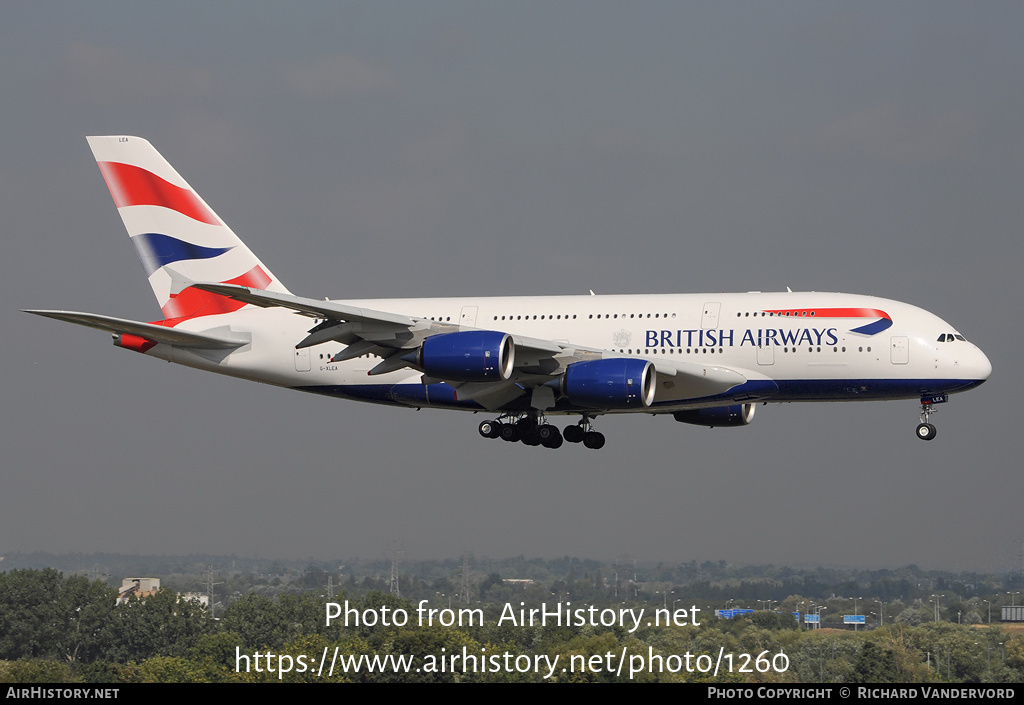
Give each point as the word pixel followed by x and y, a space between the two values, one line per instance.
pixel 615 383
pixel 735 415
pixel 467 356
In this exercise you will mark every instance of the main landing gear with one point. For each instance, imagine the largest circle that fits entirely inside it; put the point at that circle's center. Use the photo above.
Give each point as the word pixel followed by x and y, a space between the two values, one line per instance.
pixel 925 430
pixel 533 430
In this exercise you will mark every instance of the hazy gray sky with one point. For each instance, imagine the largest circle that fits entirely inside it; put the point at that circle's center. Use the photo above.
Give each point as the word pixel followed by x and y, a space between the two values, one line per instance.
pixel 472 148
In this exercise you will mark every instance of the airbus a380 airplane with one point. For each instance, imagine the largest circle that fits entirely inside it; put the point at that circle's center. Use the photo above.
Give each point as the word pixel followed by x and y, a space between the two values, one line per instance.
pixel 707 359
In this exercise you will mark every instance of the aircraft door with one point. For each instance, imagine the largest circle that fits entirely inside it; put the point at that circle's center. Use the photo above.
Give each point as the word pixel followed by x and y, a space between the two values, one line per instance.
pixel 468 316
pixel 709 320
pixel 899 350
pixel 302 360
pixel 766 354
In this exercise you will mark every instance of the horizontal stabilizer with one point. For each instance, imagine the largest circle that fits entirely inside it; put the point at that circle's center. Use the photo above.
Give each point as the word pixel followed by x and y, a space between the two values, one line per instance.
pixel 149 331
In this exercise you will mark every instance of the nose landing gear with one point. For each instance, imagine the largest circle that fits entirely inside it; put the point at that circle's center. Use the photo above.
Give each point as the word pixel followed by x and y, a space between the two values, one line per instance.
pixel 925 430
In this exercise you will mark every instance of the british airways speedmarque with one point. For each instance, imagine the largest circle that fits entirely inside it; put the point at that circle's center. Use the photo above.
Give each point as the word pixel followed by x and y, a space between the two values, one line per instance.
pixel 706 359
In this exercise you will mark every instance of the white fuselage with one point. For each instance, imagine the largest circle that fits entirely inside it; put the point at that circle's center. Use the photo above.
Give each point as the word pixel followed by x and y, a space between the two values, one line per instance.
pixel 790 346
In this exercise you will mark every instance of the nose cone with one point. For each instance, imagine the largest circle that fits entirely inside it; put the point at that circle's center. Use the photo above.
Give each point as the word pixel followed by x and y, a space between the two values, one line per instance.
pixel 977 366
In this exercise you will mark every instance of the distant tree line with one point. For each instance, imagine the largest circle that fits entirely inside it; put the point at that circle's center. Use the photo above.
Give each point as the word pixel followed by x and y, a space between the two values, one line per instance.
pixel 58 628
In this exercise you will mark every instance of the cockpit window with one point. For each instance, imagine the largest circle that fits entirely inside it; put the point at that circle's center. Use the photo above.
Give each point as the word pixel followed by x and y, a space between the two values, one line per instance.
pixel 960 337
pixel 942 337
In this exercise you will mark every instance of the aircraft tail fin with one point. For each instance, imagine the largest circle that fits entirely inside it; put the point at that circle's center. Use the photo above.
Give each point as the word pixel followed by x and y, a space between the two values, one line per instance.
pixel 176 234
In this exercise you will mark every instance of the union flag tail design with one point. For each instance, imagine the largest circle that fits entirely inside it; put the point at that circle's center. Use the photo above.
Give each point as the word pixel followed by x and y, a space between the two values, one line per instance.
pixel 177 235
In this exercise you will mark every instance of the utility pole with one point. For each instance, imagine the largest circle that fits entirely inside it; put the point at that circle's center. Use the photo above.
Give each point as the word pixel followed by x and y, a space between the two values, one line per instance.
pixel 465 592
pixel 209 587
pixel 394 554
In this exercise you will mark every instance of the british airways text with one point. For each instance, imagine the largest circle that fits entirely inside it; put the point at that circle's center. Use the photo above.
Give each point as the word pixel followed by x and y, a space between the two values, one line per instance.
pixel 758 337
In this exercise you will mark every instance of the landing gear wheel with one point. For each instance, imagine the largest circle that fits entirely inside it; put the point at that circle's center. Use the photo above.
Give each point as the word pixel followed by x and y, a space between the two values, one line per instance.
pixel 555 442
pixel 531 437
pixel 593 440
pixel 490 429
pixel 549 436
pixel 926 431
pixel 546 432
pixel 573 434
pixel 510 432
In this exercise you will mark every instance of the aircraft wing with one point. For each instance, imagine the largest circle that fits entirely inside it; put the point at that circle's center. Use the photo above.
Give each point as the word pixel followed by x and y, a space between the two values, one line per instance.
pixel 307 307
pixel 149 331
pixel 343 323
pixel 394 337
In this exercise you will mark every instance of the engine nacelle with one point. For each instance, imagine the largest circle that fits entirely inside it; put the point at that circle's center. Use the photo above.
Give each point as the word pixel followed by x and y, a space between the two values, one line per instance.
pixel 468 356
pixel 735 415
pixel 615 383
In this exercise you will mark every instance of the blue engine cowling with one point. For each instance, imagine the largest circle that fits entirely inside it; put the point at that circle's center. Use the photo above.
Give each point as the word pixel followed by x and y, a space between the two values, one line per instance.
pixel 468 356
pixel 735 415
pixel 616 383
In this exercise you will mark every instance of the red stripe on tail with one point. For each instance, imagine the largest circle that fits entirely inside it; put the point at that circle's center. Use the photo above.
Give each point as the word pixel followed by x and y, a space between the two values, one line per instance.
pixel 134 186
pixel 192 303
